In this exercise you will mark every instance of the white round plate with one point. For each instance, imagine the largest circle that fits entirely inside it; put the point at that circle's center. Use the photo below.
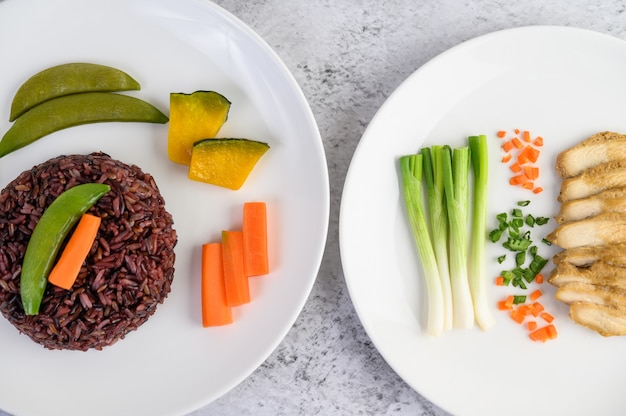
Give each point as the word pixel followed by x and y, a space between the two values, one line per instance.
pixel 564 84
pixel 171 365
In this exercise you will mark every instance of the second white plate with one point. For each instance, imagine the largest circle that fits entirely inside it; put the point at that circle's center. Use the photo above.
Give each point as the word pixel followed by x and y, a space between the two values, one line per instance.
pixel 564 84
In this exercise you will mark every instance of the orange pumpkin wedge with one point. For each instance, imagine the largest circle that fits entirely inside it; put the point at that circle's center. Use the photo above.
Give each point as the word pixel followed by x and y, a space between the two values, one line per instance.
pixel 194 117
pixel 225 162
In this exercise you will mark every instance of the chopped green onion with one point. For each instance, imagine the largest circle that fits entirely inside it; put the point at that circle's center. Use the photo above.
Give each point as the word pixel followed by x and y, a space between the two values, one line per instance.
pixel 523 203
pixel 530 220
pixel 494 236
pixel 517 213
pixel 517 299
pixel 541 220
pixel 501 259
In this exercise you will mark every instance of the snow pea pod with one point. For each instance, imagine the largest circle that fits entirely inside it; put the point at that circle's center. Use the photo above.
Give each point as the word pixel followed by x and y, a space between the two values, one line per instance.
pixel 73 110
pixel 49 233
pixel 70 78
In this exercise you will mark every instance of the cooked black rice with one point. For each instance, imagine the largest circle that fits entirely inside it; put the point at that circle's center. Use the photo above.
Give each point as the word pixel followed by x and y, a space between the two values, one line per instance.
pixel 128 271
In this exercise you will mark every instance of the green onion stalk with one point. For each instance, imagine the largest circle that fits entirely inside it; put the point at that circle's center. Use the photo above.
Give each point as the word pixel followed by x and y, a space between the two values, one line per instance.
pixel 433 174
pixel 456 164
pixel 477 274
pixel 411 170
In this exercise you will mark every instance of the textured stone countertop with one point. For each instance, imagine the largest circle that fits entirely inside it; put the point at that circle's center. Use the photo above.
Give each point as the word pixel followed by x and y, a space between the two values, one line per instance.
pixel 348 56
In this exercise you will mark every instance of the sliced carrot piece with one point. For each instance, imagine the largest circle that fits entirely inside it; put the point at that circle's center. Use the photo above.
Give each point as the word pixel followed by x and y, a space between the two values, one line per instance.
pixel 502 306
pixel 538 190
pixel 539 278
pixel 501 134
pixel 507 146
pixel 532 325
pixel 255 239
pixel 518 179
pixel 67 268
pixel 516 131
pixel 215 308
pixel 526 136
pixel 535 295
pixel 499 281
pixel 538 141
pixel 517 316
pixel 235 279
pixel 528 185
pixel 517 143
pixel 547 317
pixel 515 167
pixel 544 334
pixel 532 172
pixel 536 308
pixel 506 157
pixel 529 154
pixel 524 310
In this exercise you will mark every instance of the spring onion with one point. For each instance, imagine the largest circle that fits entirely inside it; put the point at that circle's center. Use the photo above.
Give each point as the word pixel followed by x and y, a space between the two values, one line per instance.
pixel 456 163
pixel 477 274
pixel 411 171
pixel 433 174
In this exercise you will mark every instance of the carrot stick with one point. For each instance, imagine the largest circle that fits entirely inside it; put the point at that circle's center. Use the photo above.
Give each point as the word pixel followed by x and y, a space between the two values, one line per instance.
pixel 215 308
pixel 255 239
pixel 66 270
pixel 235 279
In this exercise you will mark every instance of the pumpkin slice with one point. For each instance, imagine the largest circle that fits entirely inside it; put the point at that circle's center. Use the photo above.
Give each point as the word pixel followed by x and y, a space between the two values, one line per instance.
pixel 194 117
pixel 225 162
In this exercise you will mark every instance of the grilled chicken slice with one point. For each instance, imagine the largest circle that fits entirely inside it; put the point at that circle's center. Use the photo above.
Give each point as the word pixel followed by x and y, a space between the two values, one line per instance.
pixel 603 229
pixel 614 254
pixel 596 150
pixel 604 320
pixel 611 200
pixel 594 180
pixel 599 273
pixel 610 296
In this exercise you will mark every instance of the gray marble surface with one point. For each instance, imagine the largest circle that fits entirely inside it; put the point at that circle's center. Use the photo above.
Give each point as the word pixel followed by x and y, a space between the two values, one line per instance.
pixel 348 56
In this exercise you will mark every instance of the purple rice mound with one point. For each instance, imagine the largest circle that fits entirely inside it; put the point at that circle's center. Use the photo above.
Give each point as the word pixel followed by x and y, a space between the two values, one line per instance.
pixel 127 273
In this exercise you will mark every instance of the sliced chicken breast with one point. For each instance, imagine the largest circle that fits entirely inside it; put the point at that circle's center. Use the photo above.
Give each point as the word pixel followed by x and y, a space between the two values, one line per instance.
pixel 611 200
pixel 594 180
pixel 605 320
pixel 583 292
pixel 596 150
pixel 602 229
pixel 614 254
pixel 599 273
